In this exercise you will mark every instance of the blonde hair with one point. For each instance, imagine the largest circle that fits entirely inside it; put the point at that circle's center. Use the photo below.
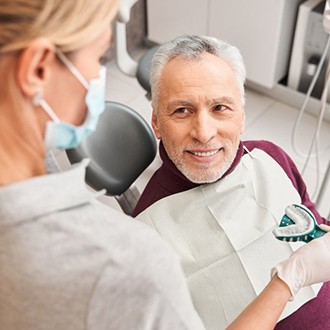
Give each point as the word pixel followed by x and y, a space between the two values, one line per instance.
pixel 69 24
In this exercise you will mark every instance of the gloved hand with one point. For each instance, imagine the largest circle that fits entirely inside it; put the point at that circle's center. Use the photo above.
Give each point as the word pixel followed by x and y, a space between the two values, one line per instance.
pixel 310 264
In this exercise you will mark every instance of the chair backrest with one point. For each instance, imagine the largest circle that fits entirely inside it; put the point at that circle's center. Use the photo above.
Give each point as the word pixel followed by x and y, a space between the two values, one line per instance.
pixel 120 149
pixel 143 70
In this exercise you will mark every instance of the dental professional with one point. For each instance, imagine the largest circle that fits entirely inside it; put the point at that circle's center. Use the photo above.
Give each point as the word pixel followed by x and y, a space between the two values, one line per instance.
pixel 66 260
pixel 216 199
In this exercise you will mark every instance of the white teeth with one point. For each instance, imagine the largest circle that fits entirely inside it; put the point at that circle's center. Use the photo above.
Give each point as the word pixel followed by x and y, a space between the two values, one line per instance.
pixel 204 154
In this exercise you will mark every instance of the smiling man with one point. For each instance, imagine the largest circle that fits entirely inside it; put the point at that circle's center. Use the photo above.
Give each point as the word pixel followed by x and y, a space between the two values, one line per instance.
pixel 199 116
pixel 215 198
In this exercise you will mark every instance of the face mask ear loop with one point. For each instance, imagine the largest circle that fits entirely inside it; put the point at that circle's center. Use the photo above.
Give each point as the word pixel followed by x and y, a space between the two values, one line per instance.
pixel 39 101
pixel 72 68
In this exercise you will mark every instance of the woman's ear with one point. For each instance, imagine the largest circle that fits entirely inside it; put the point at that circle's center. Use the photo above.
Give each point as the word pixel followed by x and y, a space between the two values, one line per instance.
pixel 154 124
pixel 34 66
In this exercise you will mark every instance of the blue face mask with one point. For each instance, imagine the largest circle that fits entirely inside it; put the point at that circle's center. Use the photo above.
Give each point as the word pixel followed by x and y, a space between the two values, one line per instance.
pixel 63 135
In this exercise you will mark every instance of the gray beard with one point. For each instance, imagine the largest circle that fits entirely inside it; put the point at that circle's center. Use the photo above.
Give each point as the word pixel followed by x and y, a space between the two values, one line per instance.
pixel 202 176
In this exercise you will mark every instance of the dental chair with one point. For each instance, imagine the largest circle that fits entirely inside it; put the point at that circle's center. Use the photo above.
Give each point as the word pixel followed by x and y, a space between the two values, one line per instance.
pixel 120 149
pixel 140 68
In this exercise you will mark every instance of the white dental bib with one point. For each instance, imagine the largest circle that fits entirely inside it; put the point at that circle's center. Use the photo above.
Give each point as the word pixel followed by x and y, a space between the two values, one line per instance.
pixel 223 233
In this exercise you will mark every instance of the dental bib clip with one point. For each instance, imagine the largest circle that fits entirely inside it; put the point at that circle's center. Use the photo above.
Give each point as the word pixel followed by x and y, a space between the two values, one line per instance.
pixel 298 224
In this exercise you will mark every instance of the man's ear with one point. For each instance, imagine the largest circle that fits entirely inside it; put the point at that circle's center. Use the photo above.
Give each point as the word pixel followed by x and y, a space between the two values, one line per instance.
pixel 243 123
pixel 33 66
pixel 154 123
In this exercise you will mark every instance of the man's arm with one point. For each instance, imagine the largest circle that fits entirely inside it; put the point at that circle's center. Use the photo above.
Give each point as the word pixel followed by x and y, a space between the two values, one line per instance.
pixel 290 168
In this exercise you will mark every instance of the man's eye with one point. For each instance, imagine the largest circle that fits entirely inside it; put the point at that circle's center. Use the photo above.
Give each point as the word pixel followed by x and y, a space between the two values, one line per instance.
pixel 220 107
pixel 181 110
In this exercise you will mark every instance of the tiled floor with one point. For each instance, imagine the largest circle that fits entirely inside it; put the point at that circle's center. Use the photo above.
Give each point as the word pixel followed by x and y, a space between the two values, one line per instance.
pixel 266 118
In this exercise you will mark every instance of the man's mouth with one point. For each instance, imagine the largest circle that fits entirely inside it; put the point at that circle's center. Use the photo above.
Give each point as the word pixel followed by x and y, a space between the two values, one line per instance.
pixel 204 153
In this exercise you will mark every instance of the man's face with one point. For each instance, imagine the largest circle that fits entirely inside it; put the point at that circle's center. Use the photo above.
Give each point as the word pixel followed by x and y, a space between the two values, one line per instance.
pixel 199 116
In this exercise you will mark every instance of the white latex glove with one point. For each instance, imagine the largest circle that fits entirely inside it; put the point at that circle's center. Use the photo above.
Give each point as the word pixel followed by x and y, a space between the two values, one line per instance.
pixel 310 264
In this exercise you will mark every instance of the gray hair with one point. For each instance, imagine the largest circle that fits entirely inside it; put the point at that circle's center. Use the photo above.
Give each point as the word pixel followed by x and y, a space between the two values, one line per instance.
pixel 192 47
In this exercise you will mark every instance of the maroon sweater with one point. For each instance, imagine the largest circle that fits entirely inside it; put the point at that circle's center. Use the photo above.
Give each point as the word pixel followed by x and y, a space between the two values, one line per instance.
pixel 168 180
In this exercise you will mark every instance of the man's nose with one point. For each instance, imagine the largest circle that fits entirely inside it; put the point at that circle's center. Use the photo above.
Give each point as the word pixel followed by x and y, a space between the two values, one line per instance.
pixel 204 127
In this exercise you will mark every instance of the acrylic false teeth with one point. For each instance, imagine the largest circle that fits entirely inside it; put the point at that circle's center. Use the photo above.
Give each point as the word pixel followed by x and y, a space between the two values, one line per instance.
pixel 298 224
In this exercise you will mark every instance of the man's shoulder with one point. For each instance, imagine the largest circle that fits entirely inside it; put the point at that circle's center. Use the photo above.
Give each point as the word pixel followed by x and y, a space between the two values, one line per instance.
pixel 272 149
pixel 264 145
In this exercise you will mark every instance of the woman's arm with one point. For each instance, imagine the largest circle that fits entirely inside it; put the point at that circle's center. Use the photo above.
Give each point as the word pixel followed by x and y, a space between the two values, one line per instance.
pixel 310 264
pixel 265 310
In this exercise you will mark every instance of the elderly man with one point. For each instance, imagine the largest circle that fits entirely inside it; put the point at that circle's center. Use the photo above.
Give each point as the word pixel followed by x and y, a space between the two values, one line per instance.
pixel 215 198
